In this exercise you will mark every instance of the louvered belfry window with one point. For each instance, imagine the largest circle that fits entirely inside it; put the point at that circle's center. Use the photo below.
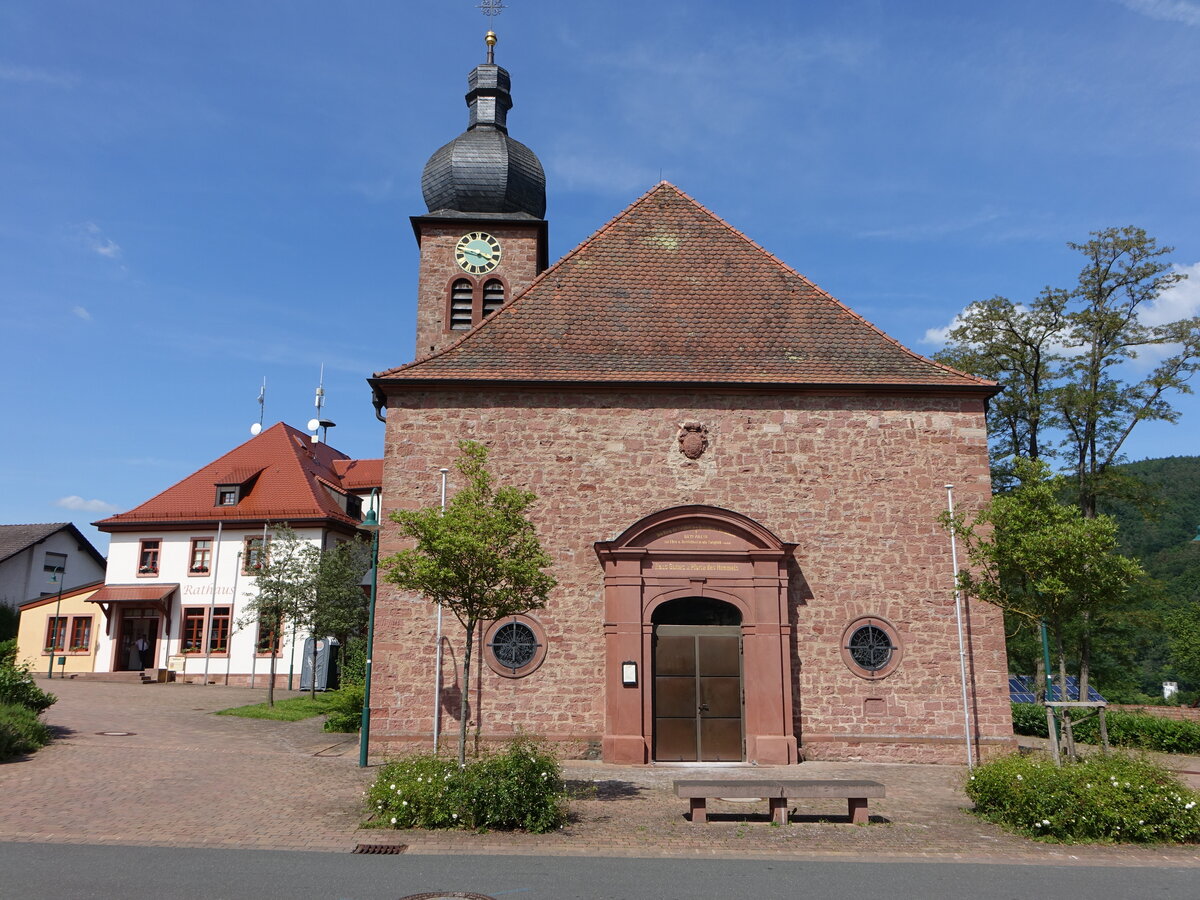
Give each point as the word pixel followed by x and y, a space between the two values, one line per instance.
pixel 493 297
pixel 461 296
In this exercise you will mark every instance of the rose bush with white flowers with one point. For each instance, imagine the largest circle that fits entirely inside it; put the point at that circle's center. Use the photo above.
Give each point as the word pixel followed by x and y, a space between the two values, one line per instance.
pixel 1113 797
pixel 521 788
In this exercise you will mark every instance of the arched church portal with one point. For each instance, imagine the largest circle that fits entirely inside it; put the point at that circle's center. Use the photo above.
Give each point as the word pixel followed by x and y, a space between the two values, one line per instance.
pixel 697 640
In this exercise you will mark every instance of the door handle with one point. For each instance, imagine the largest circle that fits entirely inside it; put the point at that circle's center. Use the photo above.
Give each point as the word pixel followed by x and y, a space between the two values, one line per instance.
pixel 703 707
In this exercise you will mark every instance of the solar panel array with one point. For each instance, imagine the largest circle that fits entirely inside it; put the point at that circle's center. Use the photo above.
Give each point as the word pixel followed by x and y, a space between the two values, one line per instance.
pixel 1021 689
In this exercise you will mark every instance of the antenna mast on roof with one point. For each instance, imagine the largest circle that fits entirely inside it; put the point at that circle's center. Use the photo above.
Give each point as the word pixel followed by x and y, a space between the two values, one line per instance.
pixel 256 428
pixel 317 423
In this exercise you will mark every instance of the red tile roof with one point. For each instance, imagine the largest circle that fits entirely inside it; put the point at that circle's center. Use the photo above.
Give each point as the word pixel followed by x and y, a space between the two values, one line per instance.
pixel 291 485
pixel 359 474
pixel 667 292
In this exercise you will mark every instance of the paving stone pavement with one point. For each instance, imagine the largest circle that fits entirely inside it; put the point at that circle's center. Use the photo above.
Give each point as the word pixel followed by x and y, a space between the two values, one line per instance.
pixel 187 778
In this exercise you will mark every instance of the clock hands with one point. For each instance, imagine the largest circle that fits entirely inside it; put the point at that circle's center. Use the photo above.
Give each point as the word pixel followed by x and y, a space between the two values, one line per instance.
pixel 474 252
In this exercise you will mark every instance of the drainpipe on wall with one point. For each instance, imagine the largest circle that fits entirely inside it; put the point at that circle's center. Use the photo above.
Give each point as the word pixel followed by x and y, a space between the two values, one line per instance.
pixel 958 614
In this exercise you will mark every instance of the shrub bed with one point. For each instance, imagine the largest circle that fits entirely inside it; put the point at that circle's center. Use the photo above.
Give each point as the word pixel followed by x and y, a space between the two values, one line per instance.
pixel 1125 729
pixel 521 788
pixel 17 687
pixel 345 709
pixel 21 731
pixel 1111 797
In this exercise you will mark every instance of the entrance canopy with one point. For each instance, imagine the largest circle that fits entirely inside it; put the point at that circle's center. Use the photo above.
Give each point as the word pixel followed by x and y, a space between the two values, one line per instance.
pixel 124 596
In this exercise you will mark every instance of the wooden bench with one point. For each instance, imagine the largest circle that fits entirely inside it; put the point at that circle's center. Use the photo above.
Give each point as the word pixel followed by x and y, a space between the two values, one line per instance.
pixel 777 792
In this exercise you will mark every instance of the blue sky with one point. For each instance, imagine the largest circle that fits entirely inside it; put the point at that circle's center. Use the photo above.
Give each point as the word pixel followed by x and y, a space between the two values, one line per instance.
pixel 196 196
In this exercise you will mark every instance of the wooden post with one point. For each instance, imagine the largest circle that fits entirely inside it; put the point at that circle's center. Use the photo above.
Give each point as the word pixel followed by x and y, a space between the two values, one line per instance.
pixel 1103 731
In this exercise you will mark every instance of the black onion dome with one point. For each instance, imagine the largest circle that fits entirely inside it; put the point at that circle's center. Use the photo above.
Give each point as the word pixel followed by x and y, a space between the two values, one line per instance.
pixel 483 170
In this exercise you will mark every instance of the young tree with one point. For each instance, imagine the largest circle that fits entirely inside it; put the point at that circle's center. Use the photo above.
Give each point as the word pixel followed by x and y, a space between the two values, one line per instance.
pixel 340 606
pixel 481 558
pixel 1042 559
pixel 286 582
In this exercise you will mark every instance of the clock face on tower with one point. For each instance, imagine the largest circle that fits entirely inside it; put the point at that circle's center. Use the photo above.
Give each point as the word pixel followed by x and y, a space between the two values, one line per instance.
pixel 477 252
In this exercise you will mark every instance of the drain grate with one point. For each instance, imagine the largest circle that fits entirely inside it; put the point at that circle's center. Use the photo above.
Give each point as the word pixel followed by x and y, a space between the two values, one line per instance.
pixel 447 895
pixel 379 848
pixel 116 733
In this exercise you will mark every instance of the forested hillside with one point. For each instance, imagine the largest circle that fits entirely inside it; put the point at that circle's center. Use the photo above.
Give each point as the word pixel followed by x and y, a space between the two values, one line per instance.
pixel 1158 530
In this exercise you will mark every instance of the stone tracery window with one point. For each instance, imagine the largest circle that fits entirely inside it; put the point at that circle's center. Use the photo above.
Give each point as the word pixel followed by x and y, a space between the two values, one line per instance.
pixel 871 647
pixel 516 646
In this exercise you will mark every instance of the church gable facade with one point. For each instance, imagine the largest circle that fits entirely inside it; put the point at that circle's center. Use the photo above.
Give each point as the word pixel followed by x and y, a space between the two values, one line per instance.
pixel 738 480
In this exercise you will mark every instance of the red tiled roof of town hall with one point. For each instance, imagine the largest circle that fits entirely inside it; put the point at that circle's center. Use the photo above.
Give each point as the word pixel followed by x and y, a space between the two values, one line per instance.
pixel 286 474
pixel 668 292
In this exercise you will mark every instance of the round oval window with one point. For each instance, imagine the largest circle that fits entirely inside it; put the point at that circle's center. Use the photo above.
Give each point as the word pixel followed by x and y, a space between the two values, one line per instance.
pixel 514 645
pixel 870 648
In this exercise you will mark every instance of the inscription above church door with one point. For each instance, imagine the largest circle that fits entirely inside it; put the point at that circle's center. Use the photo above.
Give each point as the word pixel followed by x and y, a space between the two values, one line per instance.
pixel 697 693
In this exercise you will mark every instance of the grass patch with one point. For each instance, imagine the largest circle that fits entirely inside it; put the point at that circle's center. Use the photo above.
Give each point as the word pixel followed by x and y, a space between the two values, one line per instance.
pixel 291 710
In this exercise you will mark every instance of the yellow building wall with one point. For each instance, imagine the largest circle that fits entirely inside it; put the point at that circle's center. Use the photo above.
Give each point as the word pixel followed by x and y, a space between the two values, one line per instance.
pixel 33 632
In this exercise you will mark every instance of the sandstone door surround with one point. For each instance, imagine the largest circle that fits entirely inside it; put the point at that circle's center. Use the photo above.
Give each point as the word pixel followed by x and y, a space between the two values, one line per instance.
pixel 697 551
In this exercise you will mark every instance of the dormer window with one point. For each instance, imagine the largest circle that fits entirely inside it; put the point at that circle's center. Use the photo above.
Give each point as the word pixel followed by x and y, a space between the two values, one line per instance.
pixel 472 302
pixel 227 495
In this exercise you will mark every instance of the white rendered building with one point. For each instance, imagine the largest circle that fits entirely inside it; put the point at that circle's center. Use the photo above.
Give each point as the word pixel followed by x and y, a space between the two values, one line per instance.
pixel 182 566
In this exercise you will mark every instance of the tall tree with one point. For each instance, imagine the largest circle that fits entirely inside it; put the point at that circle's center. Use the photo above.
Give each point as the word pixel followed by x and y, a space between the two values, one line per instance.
pixel 1064 361
pixel 286 584
pixel 1125 270
pixel 1042 559
pixel 480 558
pixel 340 605
pixel 1016 345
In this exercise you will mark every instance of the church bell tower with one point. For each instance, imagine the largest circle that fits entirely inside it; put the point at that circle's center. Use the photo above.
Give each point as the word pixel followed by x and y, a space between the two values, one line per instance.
pixel 483 239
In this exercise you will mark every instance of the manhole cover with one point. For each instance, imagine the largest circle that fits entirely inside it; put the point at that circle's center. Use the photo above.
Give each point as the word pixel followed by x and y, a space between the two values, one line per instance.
pixel 447 895
pixel 115 733
pixel 379 848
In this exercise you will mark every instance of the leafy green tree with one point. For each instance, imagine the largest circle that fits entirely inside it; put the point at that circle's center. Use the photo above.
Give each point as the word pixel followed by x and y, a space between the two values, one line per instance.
pixel 1063 360
pixel 1001 340
pixel 286 583
pixel 1042 559
pixel 481 558
pixel 1125 271
pixel 340 606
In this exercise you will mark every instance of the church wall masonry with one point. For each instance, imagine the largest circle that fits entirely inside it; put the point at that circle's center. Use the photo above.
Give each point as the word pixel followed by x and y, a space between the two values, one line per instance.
pixel 854 480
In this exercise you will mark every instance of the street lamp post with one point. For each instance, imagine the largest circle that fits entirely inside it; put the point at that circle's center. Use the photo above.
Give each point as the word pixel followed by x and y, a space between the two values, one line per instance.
pixel 370 523
pixel 60 574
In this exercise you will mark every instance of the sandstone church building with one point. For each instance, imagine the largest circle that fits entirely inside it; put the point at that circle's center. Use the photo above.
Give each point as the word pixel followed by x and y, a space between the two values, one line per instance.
pixel 738 480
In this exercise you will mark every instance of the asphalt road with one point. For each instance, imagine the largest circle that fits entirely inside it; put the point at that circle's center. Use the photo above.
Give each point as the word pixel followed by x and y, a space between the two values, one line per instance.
pixel 67 871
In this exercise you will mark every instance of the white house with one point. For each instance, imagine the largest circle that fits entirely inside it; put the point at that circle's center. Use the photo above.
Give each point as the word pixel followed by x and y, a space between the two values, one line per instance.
pixel 37 560
pixel 181 566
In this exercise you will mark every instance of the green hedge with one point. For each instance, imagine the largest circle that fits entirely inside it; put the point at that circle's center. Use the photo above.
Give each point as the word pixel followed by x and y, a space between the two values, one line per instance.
pixel 1111 797
pixel 521 788
pixel 345 709
pixel 17 687
pixel 1139 731
pixel 21 731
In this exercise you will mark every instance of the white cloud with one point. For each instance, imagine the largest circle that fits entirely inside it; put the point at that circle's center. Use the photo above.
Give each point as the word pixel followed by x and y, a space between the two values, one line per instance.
pixel 1180 302
pixel 79 504
pixel 937 337
pixel 28 75
pixel 82 313
pixel 97 242
pixel 1184 11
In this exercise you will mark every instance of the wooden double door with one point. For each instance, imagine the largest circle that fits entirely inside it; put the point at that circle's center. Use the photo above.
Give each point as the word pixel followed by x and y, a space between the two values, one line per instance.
pixel 698 693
